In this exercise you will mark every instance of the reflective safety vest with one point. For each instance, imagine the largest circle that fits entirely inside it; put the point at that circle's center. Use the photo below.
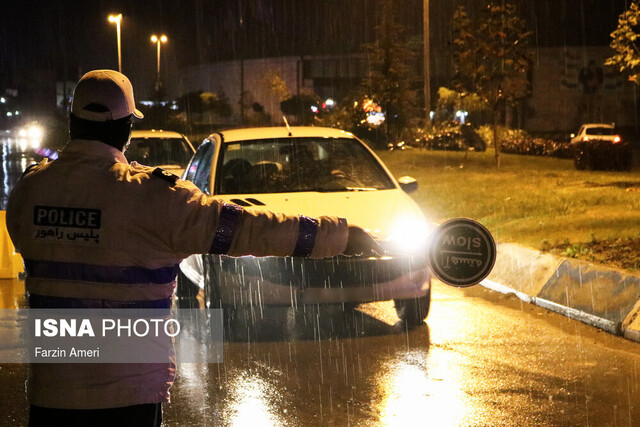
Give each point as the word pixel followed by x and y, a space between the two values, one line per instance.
pixel 96 231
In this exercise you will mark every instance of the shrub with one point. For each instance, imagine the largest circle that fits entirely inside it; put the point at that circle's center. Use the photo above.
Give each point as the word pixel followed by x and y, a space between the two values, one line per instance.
pixel 518 141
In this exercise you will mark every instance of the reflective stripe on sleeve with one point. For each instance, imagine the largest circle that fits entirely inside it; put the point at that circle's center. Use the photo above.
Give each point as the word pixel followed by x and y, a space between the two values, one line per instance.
pixel 44 301
pixel 227 221
pixel 99 273
pixel 307 231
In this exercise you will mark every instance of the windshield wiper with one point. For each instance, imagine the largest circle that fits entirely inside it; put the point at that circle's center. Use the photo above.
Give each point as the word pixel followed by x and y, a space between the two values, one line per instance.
pixel 361 189
pixel 338 189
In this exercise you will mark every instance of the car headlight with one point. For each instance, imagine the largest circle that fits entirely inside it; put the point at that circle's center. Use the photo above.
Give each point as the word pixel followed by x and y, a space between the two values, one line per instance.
pixel 35 132
pixel 409 235
pixel 31 136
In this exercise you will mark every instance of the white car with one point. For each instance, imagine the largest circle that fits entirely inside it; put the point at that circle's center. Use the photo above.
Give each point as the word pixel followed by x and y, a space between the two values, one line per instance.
pixel 166 149
pixel 312 171
pixel 600 146
pixel 596 131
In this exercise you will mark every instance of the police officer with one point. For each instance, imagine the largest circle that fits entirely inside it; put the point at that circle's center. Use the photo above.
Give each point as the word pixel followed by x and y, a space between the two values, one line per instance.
pixel 96 231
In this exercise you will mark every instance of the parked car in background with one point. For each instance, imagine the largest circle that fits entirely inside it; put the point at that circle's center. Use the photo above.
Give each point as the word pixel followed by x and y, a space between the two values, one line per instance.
pixel 312 171
pixel 600 146
pixel 166 149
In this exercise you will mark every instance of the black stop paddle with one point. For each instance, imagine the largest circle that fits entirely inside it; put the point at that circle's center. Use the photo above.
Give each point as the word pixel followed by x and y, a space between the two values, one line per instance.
pixel 462 252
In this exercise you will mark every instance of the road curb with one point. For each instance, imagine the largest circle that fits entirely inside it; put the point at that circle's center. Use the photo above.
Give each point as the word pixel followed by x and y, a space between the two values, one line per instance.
pixel 523 269
pixel 603 297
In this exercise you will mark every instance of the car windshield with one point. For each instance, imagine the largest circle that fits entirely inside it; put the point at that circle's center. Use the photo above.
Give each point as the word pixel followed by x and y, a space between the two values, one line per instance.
pixel 299 164
pixel 159 151
pixel 601 131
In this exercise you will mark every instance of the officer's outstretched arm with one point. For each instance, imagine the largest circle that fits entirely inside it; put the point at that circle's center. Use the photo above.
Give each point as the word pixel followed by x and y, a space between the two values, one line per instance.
pixel 202 224
pixel 264 233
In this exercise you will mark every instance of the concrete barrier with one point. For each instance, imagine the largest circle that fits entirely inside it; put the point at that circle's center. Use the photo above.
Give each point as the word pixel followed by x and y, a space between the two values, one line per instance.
pixel 631 324
pixel 597 290
pixel 522 269
pixel 10 262
pixel 594 294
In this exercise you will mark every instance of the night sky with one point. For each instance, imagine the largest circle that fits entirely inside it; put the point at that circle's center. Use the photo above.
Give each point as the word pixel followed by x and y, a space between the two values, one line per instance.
pixel 61 39
pixel 72 36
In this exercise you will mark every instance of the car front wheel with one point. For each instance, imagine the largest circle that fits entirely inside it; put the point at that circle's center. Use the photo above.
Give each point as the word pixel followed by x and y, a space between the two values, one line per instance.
pixel 186 292
pixel 413 311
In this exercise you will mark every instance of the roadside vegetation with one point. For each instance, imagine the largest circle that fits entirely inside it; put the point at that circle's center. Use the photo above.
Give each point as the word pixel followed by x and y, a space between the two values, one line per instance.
pixel 539 202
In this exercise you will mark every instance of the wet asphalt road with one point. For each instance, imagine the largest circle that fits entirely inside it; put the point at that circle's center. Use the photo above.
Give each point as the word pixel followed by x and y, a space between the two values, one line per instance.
pixel 14 160
pixel 483 359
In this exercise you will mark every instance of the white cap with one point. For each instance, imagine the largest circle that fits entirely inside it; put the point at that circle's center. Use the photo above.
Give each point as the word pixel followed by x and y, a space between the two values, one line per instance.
pixel 108 95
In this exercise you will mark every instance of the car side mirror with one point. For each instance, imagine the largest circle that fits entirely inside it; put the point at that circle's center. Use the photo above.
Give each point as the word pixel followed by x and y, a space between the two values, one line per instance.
pixel 408 184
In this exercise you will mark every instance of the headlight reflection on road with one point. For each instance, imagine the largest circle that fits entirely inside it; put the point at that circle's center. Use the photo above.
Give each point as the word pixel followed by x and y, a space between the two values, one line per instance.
pixel 14 162
pixel 412 394
pixel 194 377
pixel 251 402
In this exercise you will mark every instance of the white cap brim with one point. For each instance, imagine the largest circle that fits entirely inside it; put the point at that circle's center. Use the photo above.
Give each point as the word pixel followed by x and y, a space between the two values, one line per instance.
pixel 137 114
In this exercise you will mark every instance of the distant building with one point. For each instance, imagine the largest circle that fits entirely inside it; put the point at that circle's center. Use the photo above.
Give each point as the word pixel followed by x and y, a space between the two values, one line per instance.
pixel 560 100
pixel 248 82
pixel 558 103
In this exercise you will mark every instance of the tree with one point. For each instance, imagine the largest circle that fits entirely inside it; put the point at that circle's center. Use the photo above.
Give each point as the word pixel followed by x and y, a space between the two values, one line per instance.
pixel 450 101
pixel 491 58
pixel 391 79
pixel 347 114
pixel 624 41
pixel 300 107
pixel 276 85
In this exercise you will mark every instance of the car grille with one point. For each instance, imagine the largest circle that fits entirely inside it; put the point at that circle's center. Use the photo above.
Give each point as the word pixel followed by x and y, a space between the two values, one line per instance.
pixel 340 271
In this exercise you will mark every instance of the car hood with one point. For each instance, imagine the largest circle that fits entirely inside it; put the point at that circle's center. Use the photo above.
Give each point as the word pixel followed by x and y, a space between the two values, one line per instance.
pixel 381 212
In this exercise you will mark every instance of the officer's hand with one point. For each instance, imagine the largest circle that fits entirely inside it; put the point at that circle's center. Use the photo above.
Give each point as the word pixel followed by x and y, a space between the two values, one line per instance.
pixel 360 242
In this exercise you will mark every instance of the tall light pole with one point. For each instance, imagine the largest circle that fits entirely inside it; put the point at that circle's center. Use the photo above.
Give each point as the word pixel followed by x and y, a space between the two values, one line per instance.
pixel 158 41
pixel 116 19
pixel 427 64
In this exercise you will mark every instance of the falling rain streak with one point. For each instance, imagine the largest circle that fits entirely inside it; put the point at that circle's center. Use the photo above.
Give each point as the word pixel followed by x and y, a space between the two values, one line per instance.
pixel 481 358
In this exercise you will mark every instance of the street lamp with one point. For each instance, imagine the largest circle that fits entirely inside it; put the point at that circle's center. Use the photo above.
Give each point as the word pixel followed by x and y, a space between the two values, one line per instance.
pixel 158 41
pixel 117 18
pixel 427 63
